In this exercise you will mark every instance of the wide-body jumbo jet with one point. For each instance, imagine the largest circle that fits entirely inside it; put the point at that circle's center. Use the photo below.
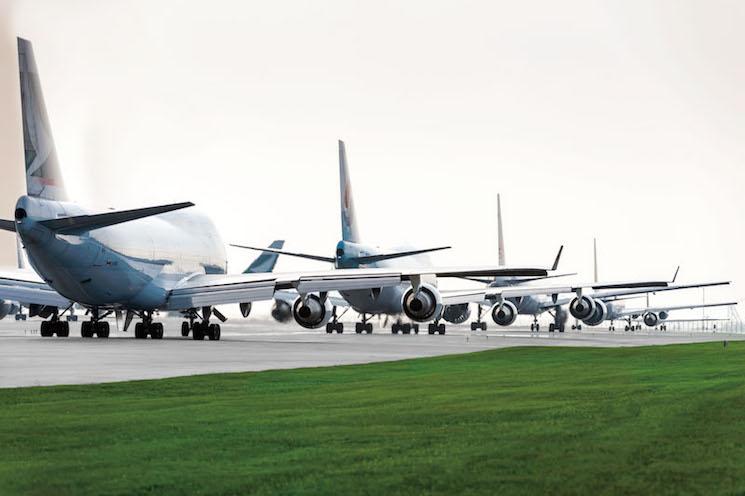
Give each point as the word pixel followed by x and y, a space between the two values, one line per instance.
pixel 399 300
pixel 164 258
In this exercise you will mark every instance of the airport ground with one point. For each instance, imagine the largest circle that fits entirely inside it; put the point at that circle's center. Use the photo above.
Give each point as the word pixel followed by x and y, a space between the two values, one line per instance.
pixel 525 420
pixel 27 359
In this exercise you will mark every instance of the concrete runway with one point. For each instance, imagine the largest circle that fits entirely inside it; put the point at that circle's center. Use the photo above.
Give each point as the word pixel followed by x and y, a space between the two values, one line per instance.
pixel 27 359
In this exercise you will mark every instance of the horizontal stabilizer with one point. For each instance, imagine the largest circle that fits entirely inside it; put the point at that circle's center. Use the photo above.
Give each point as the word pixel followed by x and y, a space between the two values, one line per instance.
pixel 7 225
pixel 288 253
pixel 82 223
pixel 388 256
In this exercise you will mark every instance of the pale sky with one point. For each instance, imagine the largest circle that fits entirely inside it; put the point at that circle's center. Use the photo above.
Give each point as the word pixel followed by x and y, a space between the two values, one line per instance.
pixel 622 120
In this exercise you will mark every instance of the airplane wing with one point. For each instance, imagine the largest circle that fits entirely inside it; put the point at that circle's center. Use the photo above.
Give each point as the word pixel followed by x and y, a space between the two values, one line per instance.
pixel 26 287
pixel 219 289
pixel 289 296
pixel 641 311
pixel 617 294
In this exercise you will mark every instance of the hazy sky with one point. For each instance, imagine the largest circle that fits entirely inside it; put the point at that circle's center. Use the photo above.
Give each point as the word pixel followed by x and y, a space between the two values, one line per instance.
pixel 622 120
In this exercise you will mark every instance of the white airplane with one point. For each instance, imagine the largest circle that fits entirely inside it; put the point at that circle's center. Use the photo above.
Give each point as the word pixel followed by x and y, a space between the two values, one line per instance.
pixel 166 258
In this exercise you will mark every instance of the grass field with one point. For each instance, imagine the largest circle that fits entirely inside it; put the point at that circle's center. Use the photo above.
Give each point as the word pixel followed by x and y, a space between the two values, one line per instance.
pixel 657 420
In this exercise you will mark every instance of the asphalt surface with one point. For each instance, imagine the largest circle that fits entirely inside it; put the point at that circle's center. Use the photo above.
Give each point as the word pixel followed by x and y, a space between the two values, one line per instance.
pixel 27 359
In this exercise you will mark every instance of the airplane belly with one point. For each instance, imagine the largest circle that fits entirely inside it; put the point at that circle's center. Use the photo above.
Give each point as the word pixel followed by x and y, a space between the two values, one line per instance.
pixel 387 301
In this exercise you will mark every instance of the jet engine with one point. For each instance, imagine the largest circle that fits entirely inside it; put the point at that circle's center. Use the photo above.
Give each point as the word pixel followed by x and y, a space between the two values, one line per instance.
pixel 245 309
pixel 5 309
pixel 598 315
pixel 505 314
pixel 42 311
pixel 423 304
pixel 313 312
pixel 663 315
pixel 281 311
pixel 650 319
pixel 456 314
pixel 582 308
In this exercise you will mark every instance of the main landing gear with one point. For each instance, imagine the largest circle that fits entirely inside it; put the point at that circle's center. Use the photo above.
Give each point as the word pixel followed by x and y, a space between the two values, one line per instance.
pixel 148 328
pixel 335 325
pixel 436 328
pixel 55 326
pixel 404 328
pixel 199 329
pixel 364 326
pixel 96 326
pixel 479 324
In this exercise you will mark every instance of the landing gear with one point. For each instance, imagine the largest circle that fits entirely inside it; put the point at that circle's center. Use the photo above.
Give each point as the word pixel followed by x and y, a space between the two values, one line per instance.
pixel 364 326
pixel 51 327
pixel 95 326
pixel 153 329
pixel 334 325
pixel 552 327
pixel 535 326
pixel 436 328
pixel 479 324
pixel 185 328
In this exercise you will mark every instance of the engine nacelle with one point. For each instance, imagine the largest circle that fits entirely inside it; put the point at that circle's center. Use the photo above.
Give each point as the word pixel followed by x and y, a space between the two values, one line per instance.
pixel 663 315
pixel 598 315
pixel 245 309
pixel 42 311
pixel 456 314
pixel 582 308
pixel 281 311
pixel 312 313
pixel 504 314
pixel 5 309
pixel 650 319
pixel 423 304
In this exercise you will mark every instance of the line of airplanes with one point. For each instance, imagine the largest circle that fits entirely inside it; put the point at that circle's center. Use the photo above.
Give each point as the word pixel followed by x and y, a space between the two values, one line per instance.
pixel 136 264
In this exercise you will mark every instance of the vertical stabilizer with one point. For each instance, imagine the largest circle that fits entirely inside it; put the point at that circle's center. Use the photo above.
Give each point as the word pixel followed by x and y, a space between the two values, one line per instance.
pixel 265 262
pixel 500 236
pixel 43 177
pixel 348 221
pixel 595 258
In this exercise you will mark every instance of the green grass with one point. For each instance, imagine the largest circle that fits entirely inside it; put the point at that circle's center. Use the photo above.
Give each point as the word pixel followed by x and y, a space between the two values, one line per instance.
pixel 657 420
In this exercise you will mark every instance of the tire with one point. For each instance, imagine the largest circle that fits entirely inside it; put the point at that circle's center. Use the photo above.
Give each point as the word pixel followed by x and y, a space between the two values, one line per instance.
pixel 441 329
pixel 329 328
pixel 102 329
pixel 212 332
pixel 184 329
pixel 358 327
pixel 339 328
pixel 474 325
pixel 44 329
pixel 406 329
pixel 156 331
pixel 198 332
pixel 415 328
pixel 368 328
pixel 394 329
pixel 550 328
pixel 63 330
pixel 86 329
pixel 483 326
pixel 140 332
pixel 218 332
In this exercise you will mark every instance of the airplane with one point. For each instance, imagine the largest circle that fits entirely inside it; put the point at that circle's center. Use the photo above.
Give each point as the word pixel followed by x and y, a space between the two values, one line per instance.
pixel 167 258
pixel 654 316
pixel 395 301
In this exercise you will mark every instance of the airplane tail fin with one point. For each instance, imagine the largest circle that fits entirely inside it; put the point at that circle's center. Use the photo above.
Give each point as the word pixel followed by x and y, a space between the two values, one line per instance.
pixel 500 236
pixel 266 261
pixel 348 220
pixel 43 176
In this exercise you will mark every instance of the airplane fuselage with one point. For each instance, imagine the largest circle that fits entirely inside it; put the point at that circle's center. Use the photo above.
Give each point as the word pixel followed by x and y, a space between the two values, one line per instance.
pixel 129 265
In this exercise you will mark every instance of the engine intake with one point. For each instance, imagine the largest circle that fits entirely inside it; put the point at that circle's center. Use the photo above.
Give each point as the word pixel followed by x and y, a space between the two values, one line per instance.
pixel 423 304
pixel 311 313
pixel 456 314
pixel 598 315
pixel 663 315
pixel 504 314
pixel 245 309
pixel 650 319
pixel 582 308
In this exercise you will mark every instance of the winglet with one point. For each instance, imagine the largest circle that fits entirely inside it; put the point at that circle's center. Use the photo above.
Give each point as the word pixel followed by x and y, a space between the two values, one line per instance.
pixel 676 274
pixel 555 266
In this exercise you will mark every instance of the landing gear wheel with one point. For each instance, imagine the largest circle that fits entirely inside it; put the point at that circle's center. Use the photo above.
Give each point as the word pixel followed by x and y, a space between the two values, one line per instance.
pixel 532 327
pixel 561 328
pixel 415 328
pixel 431 329
pixel 339 327
pixel 358 327
pixel 406 328
pixel 329 328
pixel 86 329
pixel 101 329
pixel 198 331
pixel 395 328
pixel 551 327
pixel 46 329
pixel 63 329
pixel 368 328
pixel 156 330
pixel 213 332
pixel 441 329
pixel 184 329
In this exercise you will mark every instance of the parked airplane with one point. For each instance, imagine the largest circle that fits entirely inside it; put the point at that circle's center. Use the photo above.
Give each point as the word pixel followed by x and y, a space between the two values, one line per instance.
pixel 397 300
pixel 168 257
pixel 652 316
